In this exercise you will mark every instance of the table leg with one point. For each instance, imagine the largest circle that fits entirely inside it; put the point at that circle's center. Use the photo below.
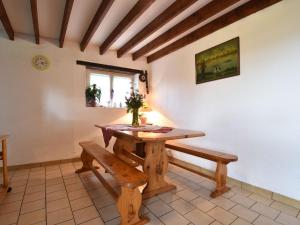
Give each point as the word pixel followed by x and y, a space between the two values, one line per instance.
pixel 4 158
pixel 156 166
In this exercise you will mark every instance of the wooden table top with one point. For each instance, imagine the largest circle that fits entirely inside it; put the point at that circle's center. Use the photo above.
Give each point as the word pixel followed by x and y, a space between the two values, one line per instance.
pixel 172 135
pixel 150 136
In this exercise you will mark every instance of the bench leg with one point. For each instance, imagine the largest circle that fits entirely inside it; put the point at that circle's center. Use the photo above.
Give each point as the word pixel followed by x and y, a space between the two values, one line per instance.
pixel 129 204
pixel 87 162
pixel 221 176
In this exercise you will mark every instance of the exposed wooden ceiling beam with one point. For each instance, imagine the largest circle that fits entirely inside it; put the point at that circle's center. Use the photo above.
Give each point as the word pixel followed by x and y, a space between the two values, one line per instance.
pixel 172 11
pixel 241 12
pixel 99 16
pixel 35 20
pixel 197 17
pixel 6 23
pixel 138 9
pixel 67 13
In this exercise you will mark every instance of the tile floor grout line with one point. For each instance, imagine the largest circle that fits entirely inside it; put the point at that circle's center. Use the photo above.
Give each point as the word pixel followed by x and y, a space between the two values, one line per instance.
pixel 252 205
pixel 28 180
pixel 16 193
pixel 257 216
pixel 210 209
pixel 253 222
pixel 10 178
pixel 195 207
pixel 110 219
pixel 46 214
pixel 164 213
pixel 235 204
pixel 272 201
pixel 158 217
pixel 55 199
pixel 98 210
pixel 67 195
pixel 277 216
pixel 278 221
pixel 169 202
pixel 233 220
pixel 23 197
pixel 213 221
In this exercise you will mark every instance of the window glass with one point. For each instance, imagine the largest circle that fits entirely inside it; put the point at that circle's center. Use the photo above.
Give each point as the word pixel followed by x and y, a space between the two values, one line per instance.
pixel 102 81
pixel 121 88
pixel 113 87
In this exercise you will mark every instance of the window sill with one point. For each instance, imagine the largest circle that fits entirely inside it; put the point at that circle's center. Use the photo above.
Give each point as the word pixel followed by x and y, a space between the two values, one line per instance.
pixel 105 107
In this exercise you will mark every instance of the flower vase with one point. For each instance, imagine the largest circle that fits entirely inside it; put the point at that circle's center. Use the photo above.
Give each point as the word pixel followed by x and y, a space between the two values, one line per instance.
pixel 135 117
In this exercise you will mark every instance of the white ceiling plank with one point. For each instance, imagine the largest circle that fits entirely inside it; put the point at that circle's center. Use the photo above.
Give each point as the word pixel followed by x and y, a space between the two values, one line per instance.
pixel 19 14
pixel 50 15
pixel 117 12
pixel 80 19
pixel 174 21
pixel 153 11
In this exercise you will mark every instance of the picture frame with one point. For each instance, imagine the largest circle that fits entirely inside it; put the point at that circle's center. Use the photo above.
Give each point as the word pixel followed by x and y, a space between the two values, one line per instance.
pixel 219 62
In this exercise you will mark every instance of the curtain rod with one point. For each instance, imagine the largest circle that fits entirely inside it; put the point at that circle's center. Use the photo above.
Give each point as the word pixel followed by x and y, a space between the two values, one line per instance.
pixel 109 67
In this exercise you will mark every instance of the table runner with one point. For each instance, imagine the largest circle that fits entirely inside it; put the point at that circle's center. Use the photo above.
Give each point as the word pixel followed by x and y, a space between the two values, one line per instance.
pixel 108 130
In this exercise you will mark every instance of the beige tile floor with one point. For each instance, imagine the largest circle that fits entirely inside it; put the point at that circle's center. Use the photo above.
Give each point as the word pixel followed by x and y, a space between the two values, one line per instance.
pixel 56 195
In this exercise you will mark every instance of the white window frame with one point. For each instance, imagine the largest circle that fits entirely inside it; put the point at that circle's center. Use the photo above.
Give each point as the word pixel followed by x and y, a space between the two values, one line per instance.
pixel 111 74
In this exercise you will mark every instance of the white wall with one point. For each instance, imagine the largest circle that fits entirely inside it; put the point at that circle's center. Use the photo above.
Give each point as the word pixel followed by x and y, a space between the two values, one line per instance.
pixel 255 115
pixel 44 112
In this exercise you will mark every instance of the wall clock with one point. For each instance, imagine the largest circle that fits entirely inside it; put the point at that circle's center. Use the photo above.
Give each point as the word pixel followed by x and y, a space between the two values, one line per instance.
pixel 144 78
pixel 40 62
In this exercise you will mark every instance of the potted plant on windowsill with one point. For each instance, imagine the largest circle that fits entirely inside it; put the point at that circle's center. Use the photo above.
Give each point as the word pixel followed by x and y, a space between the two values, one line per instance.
pixel 133 103
pixel 92 95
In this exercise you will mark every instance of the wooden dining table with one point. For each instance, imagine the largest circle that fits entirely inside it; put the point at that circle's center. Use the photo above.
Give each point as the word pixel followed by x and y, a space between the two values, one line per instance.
pixel 148 149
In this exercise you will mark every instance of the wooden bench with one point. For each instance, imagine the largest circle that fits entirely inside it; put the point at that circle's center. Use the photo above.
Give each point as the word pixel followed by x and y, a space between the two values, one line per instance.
pixel 128 178
pixel 222 159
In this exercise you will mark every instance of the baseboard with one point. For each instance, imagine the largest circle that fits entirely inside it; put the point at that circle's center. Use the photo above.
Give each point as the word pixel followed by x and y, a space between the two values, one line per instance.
pixel 39 164
pixel 249 187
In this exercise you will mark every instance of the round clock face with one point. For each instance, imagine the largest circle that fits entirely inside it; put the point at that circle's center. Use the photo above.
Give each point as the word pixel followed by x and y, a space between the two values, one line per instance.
pixel 40 62
pixel 142 78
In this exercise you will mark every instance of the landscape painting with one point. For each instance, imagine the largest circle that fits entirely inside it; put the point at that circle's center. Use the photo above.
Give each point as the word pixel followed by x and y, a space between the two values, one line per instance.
pixel 218 62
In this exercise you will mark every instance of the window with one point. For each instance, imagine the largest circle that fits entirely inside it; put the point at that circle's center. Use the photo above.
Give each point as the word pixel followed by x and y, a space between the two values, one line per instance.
pixel 114 87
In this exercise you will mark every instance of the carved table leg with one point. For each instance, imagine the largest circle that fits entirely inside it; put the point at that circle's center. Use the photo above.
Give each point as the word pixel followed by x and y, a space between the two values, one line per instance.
pixel 221 176
pixel 87 162
pixel 156 166
pixel 129 204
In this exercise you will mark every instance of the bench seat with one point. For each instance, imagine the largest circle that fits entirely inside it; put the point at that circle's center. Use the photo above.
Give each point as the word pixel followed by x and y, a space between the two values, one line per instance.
pixel 222 159
pixel 202 152
pixel 129 198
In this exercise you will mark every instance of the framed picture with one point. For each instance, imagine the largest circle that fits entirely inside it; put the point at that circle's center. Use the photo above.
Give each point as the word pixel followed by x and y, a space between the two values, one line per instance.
pixel 218 62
